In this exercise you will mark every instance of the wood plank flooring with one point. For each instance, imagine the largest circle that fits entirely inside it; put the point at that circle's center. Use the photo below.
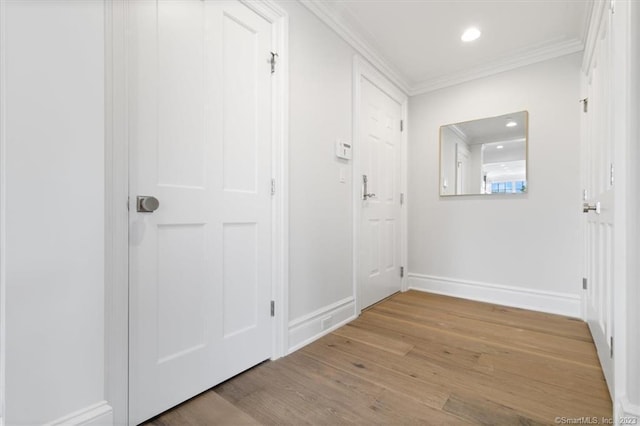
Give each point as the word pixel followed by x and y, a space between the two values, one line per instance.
pixel 419 358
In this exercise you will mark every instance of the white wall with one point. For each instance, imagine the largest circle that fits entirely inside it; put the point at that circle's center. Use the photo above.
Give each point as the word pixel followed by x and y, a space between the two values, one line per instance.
pixel 54 210
pixel 320 210
pixel 529 243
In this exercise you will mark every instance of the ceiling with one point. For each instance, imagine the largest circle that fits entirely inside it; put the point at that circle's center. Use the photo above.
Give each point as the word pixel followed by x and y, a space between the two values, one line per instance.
pixel 494 129
pixel 417 42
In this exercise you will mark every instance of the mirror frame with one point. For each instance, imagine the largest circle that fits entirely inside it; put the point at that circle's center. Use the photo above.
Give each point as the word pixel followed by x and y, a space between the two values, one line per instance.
pixel 497 194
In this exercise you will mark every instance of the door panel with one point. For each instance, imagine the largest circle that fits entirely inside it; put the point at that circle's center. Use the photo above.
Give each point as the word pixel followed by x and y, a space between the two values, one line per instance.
pixel 181 146
pixel 239 90
pixel 240 277
pixel 180 309
pixel 389 244
pixel 200 129
pixel 379 274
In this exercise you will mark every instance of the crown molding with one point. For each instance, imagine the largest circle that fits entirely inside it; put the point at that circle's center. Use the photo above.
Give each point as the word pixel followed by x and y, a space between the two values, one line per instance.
pixel 526 58
pixel 344 29
pixel 347 30
pixel 458 131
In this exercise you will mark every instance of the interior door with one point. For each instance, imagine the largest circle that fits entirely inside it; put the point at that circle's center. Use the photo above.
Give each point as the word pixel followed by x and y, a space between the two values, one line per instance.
pixel 200 135
pixel 380 239
pixel 599 199
pixel 462 170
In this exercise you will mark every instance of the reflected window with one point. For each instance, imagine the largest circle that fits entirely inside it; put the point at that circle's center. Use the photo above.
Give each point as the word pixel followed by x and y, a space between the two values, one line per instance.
pixel 508 187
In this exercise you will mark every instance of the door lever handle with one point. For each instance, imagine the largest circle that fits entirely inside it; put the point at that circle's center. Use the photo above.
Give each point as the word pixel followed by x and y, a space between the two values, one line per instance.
pixel 365 194
pixel 586 207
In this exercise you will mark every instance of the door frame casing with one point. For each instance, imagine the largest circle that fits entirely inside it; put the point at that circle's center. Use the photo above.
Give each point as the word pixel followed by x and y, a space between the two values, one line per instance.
pixel 3 207
pixel 363 69
pixel 117 146
pixel 621 130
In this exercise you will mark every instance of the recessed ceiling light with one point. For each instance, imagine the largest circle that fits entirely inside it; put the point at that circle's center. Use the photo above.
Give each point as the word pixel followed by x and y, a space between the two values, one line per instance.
pixel 511 123
pixel 499 147
pixel 470 34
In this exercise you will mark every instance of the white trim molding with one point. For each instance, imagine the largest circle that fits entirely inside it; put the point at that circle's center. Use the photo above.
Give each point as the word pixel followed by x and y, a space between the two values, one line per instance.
pixel 348 29
pixel 620 57
pixel 628 409
pixel 279 20
pixel 314 325
pixel 3 205
pixel 528 57
pixel 517 297
pixel 116 212
pixel 99 414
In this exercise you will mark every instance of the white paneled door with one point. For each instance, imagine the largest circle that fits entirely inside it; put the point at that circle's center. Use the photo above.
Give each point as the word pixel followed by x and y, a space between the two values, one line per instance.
pixel 380 227
pixel 200 135
pixel 599 200
pixel 462 170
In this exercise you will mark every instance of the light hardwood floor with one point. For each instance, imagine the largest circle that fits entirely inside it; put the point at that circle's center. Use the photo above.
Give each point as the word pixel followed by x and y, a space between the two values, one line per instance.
pixel 419 358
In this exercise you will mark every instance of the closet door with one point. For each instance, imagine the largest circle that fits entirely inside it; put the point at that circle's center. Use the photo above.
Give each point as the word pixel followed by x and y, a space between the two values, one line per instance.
pixel 200 200
pixel 600 200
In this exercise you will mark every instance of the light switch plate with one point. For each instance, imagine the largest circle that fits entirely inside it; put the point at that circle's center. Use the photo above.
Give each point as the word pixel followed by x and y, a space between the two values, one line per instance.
pixel 343 150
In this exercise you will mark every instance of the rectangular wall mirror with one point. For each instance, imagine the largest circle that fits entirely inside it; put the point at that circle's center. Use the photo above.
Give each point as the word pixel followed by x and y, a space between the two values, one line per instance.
pixel 485 156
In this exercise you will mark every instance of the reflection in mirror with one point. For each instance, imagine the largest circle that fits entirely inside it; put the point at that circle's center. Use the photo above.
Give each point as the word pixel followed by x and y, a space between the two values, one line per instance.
pixel 485 156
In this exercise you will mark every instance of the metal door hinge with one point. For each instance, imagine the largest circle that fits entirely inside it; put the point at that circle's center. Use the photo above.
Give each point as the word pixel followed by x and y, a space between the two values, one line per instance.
pixel 273 308
pixel 584 283
pixel 611 175
pixel 585 104
pixel 273 186
pixel 401 198
pixel 611 342
pixel 402 125
pixel 402 272
pixel 273 60
pixel 613 7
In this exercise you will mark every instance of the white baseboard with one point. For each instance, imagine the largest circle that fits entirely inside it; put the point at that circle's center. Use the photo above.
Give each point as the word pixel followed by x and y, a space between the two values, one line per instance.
pixel 526 298
pixel 629 409
pixel 308 328
pixel 99 414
